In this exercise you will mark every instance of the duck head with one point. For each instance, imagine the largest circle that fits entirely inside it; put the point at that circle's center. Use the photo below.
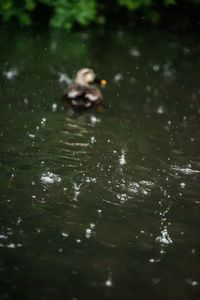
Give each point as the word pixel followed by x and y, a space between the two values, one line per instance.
pixel 87 76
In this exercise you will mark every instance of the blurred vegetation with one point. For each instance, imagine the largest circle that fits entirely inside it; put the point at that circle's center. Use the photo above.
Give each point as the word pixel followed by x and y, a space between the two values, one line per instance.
pixel 69 13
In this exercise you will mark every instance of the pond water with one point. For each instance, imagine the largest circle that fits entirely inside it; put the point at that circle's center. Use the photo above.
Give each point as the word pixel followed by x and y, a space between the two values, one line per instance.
pixel 100 205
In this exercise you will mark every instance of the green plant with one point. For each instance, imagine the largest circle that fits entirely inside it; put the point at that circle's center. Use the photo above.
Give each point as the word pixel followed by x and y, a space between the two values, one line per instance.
pixel 17 9
pixel 68 13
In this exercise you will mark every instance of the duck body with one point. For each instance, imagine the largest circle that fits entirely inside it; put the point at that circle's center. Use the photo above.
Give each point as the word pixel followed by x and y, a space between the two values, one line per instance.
pixel 82 93
pixel 81 96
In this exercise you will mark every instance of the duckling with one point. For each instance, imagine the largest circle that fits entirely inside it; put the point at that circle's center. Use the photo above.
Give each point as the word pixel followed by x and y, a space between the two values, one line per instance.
pixel 81 93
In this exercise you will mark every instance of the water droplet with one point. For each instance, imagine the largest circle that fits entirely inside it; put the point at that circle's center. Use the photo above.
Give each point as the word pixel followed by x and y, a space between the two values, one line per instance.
pixel 10 74
pixel 156 68
pixel 43 121
pixel 32 136
pixel 122 159
pixel 160 110
pixel 135 52
pixel 94 120
pixel 118 77
pixel 26 101
pixel 64 234
pixel 92 140
pixel 54 107
pixel 108 282
pixel 192 282
pixel 62 77
pixel 76 188
pixel 11 245
pixel 88 233
pixel 182 184
pixel 186 50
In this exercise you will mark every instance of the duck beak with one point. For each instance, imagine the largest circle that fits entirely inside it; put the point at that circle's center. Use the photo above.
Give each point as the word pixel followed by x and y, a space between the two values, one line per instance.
pixel 102 82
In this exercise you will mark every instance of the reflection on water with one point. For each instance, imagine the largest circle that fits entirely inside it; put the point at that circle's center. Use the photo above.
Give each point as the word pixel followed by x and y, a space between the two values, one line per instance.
pixel 100 205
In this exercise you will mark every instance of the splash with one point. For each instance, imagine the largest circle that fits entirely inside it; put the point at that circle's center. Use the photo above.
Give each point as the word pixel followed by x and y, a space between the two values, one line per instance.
pixel 50 178
pixel 76 189
pixel 63 77
pixel 164 237
pixel 122 158
pixel 94 120
pixel 10 74
pixel 187 170
pixel 134 52
pixel 109 281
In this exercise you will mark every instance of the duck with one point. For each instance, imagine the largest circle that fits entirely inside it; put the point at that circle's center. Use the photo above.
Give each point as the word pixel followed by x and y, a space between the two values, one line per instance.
pixel 83 93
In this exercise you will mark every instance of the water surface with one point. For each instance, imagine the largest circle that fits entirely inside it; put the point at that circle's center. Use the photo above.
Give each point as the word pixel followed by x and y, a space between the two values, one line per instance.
pixel 100 205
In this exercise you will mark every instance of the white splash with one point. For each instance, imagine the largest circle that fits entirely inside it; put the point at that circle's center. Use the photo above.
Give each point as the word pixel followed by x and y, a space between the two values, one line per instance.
pixel 64 234
pixel 146 183
pixel 10 74
pixel 92 225
pixel 168 70
pixel 31 135
pixel 88 233
pixel 43 121
pixel 99 211
pixel 135 52
pixel 26 101
pixel 62 77
pixel 92 140
pixel 76 188
pixel 192 282
pixel 143 187
pixel 160 110
pixel 122 159
pixel 156 68
pixel 54 107
pixel 187 170
pixel 154 260
pixel 94 120
pixel 118 77
pixel 91 179
pixel 3 237
pixel 134 187
pixel 164 238
pixel 182 184
pixel 49 178
pixel 13 246
pixel 109 282
pixel 122 197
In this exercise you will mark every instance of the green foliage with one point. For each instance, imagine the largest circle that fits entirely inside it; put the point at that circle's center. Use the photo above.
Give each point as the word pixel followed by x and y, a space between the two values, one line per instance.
pixel 135 4
pixel 67 13
pixel 17 9
pixel 138 4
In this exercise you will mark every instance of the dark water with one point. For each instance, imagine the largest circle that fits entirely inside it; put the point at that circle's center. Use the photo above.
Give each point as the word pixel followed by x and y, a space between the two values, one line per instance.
pixel 100 205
